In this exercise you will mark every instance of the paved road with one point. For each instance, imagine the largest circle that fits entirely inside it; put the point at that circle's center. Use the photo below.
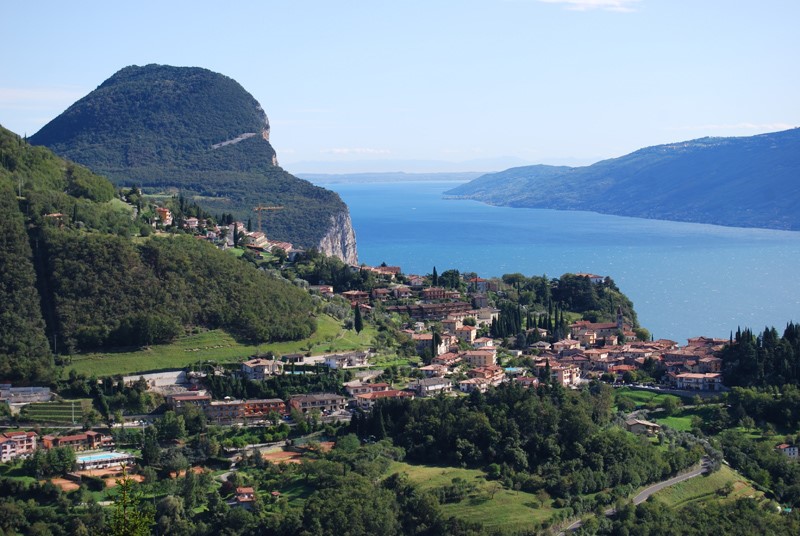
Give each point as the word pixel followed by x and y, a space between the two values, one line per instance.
pixel 647 492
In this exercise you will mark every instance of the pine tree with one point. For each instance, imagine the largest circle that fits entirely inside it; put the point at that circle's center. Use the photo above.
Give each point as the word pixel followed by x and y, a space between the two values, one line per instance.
pixel 129 518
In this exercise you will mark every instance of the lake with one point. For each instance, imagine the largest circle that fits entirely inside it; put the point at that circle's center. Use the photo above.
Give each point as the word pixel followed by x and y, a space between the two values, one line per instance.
pixel 684 279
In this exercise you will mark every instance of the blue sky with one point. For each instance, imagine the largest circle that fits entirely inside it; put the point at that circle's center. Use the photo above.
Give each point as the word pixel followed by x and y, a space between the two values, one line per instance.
pixel 383 85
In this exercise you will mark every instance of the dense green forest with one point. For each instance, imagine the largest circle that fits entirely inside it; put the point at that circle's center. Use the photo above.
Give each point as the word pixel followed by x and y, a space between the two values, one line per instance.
pixel 74 279
pixel 547 438
pixel 24 353
pixel 159 127
pixel 765 359
pixel 743 517
pixel 105 291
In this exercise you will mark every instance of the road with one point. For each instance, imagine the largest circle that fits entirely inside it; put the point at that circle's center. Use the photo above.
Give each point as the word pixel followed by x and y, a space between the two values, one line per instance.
pixel 655 488
pixel 643 495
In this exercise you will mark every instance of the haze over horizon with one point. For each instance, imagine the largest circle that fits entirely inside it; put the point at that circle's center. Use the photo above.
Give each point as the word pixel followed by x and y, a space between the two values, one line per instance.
pixel 425 87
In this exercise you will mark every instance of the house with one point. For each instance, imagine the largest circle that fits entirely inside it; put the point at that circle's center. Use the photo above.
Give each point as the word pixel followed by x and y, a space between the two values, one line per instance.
pixel 401 292
pixel 433 293
pixel 485 316
pixel 639 426
pixel 431 311
pixel 424 341
pixel 484 342
pixel 491 373
pixel 430 386
pixel 325 290
pixel 381 294
pixel 192 223
pixel 790 451
pixel 447 359
pixel 345 361
pixel 190 398
pixel 596 279
pixel 232 410
pixel 434 370
pixel 527 381
pixel 366 401
pixel 566 375
pixel 478 284
pixel 16 444
pixel 415 280
pixel 89 440
pixel 356 387
pixel 466 334
pixel 474 384
pixel 709 364
pixel 260 368
pixel 691 381
pixel 451 324
pixel 566 344
pixel 318 401
pixel 481 358
pixel 245 497
pixel 356 296
pixel 287 247
pixel 164 216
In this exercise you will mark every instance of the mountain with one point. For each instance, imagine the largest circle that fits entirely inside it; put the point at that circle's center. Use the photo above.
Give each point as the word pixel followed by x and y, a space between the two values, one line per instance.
pixel 743 182
pixel 71 276
pixel 168 129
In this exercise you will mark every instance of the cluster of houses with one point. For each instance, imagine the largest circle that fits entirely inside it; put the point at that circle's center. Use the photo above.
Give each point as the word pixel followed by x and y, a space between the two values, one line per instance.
pixel 222 235
pixel 21 444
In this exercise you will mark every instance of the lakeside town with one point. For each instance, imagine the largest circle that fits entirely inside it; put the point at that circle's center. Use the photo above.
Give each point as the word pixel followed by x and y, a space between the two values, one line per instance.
pixel 451 333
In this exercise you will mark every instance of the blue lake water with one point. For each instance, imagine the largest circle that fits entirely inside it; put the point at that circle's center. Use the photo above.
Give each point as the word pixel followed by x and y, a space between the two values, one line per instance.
pixel 685 279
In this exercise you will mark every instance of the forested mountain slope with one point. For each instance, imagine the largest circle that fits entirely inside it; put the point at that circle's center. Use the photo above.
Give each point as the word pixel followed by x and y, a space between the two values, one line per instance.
pixel 743 182
pixel 169 128
pixel 71 276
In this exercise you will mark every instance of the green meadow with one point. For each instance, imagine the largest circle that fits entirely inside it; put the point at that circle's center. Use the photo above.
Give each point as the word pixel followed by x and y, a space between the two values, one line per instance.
pixel 491 505
pixel 219 347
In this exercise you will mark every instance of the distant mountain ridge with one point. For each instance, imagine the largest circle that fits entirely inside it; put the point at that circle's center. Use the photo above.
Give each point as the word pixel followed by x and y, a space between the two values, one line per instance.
pixel 167 128
pixel 742 182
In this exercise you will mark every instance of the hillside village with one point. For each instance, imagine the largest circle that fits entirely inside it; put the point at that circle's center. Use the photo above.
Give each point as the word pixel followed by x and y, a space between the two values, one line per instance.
pixel 451 332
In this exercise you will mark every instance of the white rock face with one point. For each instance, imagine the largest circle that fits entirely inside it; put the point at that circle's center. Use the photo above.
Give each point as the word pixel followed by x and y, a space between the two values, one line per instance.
pixel 340 240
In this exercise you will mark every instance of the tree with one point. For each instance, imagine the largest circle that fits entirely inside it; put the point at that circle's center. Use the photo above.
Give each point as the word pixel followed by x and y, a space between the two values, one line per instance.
pixel 435 278
pixel 130 517
pixel 358 322
pixel 670 405
pixel 171 426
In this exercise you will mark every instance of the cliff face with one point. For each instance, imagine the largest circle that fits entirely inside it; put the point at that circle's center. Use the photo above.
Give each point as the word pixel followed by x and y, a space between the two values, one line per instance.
pixel 340 240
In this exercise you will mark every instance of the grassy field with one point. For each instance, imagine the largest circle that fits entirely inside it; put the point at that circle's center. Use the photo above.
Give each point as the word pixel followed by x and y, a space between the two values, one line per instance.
pixel 220 347
pixel 682 419
pixel 707 488
pixel 642 398
pixel 506 510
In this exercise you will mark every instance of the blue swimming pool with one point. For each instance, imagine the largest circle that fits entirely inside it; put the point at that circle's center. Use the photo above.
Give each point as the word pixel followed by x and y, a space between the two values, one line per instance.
pixel 103 456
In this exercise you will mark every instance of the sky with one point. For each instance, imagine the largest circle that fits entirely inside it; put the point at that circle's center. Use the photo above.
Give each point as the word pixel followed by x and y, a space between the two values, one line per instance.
pixel 433 85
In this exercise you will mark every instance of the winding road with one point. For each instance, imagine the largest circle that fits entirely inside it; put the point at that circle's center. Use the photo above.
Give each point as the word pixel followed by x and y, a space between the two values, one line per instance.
pixel 643 495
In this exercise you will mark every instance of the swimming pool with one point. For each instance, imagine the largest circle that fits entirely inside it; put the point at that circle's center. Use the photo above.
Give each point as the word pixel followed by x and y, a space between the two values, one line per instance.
pixel 102 460
pixel 103 456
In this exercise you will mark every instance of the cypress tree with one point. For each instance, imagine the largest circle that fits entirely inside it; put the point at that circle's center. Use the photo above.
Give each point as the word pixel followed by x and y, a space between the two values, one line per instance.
pixel 358 322
pixel 435 278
